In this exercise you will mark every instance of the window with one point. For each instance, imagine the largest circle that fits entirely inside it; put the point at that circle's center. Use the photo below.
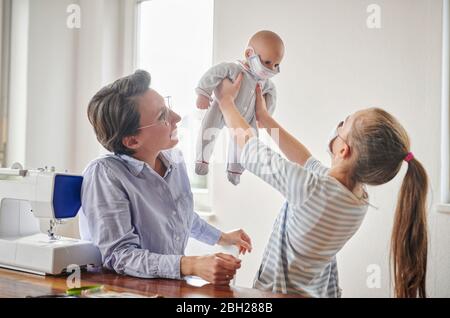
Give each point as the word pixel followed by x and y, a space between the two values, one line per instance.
pixel 175 42
pixel 5 14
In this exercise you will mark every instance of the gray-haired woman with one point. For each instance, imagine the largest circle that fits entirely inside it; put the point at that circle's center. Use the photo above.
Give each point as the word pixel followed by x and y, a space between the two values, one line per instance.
pixel 137 204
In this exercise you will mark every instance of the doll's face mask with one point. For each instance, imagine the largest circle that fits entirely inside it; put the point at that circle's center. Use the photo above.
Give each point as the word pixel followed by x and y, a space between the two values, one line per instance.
pixel 258 69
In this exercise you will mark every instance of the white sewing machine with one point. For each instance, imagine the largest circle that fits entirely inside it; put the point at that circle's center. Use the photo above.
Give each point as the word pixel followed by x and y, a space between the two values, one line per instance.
pixel 33 202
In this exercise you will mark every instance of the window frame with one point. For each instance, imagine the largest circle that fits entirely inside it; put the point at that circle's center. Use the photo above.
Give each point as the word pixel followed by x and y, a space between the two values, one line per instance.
pixel 444 205
pixel 5 45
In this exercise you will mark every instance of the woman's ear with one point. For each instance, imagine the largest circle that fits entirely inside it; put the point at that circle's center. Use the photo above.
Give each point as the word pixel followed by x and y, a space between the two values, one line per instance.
pixel 131 142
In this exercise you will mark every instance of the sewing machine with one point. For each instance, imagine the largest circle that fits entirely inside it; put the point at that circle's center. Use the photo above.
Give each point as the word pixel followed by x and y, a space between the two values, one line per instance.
pixel 32 203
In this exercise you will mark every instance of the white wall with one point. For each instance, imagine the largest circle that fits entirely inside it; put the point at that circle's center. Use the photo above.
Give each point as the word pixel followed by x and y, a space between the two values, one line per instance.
pixel 333 66
pixel 104 53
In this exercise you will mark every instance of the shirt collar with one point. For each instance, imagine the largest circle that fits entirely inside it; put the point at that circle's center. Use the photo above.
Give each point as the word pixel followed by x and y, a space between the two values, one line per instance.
pixel 136 166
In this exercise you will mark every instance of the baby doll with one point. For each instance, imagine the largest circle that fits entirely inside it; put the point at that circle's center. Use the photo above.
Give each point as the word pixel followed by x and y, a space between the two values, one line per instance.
pixel 263 56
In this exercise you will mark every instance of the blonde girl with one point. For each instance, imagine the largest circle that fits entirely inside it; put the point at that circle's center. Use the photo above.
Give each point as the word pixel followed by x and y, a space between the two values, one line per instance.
pixel 325 206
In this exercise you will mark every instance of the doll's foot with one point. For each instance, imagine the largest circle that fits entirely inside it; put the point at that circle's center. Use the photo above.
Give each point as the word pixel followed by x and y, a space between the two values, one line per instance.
pixel 201 168
pixel 234 177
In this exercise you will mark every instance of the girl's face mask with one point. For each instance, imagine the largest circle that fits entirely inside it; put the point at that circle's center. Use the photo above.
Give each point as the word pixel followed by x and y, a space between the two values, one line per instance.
pixel 258 69
pixel 333 135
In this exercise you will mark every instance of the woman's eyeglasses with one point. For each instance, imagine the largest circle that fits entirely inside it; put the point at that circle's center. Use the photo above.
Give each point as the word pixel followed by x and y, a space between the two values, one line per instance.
pixel 164 117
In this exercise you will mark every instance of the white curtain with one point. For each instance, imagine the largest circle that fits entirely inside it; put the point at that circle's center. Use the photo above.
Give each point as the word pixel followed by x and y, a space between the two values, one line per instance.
pixel 55 70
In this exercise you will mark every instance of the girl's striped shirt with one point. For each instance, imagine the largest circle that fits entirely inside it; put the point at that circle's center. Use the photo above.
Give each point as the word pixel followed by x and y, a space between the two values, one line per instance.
pixel 319 216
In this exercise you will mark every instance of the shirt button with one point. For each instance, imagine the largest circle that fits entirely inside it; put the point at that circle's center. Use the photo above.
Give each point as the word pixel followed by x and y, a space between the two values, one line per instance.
pixel 177 238
pixel 174 213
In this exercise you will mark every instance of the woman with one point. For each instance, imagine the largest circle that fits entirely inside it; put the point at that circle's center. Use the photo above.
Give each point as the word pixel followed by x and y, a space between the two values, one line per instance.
pixel 137 204
pixel 325 207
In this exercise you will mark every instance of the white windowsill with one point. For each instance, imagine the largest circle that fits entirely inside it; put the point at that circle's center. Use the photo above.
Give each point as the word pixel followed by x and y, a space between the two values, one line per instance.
pixel 443 208
pixel 202 203
pixel 200 191
pixel 207 215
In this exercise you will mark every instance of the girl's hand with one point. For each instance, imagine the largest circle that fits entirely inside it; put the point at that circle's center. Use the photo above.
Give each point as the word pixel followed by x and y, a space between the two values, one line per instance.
pixel 229 90
pixel 261 108
pixel 238 238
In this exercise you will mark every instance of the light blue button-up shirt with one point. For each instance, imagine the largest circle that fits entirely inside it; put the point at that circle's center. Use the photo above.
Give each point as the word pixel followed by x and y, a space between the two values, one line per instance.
pixel 141 221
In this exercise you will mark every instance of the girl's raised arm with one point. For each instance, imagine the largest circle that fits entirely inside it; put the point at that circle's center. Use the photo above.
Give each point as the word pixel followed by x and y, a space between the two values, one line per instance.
pixel 290 146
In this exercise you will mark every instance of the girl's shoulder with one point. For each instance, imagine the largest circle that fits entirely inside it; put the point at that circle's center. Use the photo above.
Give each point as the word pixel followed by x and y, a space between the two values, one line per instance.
pixel 315 166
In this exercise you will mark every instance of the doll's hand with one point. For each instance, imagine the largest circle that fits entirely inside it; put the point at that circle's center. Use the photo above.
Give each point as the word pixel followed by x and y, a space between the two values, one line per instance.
pixel 202 102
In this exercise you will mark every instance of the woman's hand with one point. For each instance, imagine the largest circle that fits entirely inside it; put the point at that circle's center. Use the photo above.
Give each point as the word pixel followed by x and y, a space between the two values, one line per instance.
pixel 238 238
pixel 261 109
pixel 218 269
pixel 228 90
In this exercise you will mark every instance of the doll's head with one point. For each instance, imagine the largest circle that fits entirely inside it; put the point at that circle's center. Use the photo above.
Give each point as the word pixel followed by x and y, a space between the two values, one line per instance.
pixel 264 53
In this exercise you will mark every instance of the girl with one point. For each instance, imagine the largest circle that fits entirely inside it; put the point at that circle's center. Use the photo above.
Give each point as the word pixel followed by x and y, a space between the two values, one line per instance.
pixel 325 207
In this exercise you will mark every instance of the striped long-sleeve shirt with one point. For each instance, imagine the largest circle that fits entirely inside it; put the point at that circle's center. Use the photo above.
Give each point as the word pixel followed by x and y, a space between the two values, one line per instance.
pixel 319 216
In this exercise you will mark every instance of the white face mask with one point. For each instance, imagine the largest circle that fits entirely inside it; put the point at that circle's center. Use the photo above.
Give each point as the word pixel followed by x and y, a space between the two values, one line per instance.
pixel 333 135
pixel 258 69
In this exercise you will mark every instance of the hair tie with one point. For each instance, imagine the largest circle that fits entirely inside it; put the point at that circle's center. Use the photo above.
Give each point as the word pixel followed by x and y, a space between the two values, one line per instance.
pixel 409 157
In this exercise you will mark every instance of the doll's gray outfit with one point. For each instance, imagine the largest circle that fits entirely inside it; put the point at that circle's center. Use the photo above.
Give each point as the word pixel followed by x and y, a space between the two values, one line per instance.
pixel 213 121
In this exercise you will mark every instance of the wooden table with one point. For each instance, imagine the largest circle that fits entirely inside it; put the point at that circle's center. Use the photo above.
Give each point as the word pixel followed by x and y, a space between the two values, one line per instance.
pixel 14 284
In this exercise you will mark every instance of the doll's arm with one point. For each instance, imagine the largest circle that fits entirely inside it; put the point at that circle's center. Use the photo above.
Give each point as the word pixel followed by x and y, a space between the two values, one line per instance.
pixel 209 81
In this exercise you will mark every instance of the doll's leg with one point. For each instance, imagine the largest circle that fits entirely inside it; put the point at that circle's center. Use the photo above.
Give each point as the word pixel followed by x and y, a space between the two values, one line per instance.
pixel 209 131
pixel 234 168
